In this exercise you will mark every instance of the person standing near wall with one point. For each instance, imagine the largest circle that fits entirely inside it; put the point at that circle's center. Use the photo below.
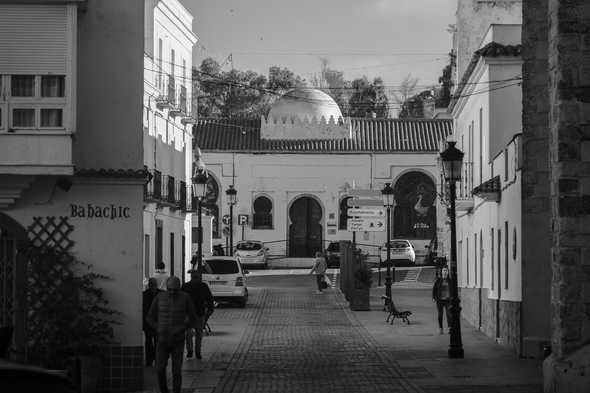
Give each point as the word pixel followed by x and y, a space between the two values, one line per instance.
pixel 170 314
pixel 150 333
pixel 441 294
pixel 203 302
pixel 319 267
pixel 161 276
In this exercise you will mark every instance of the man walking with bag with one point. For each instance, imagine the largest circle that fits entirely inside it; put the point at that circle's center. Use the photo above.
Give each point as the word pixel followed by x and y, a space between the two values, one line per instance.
pixel 319 267
pixel 202 299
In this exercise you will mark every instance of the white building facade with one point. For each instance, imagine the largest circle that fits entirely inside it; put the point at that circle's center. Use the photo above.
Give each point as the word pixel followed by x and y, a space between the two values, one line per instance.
pixel 294 172
pixel 497 295
pixel 167 124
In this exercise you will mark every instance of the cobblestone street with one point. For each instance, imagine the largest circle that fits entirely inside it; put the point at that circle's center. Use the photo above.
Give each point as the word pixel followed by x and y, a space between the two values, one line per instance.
pixel 298 341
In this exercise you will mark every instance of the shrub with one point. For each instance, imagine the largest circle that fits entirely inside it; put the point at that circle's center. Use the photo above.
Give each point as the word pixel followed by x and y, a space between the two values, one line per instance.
pixel 70 315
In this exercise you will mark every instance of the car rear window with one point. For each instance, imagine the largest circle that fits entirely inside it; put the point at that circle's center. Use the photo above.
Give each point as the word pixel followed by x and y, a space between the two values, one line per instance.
pixel 222 266
pixel 249 246
pixel 334 247
pixel 400 244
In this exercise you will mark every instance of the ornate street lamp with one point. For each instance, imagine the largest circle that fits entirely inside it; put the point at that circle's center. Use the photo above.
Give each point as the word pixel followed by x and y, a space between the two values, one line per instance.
pixel 452 161
pixel 232 199
pixel 199 188
pixel 387 193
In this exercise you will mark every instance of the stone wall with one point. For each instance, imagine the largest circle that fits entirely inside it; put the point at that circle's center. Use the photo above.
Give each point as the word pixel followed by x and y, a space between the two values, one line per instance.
pixel 559 31
pixel 536 214
pixel 510 318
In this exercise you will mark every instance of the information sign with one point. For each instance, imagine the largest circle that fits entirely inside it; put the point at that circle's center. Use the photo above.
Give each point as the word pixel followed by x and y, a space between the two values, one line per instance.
pixel 374 212
pixel 365 224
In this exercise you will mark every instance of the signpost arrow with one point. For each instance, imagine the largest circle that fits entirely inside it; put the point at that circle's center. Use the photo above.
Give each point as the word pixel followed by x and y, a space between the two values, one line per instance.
pixel 364 202
pixel 366 224
pixel 366 212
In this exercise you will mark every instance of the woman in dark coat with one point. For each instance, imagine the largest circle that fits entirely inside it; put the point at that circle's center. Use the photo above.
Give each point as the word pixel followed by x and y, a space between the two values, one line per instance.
pixel 441 294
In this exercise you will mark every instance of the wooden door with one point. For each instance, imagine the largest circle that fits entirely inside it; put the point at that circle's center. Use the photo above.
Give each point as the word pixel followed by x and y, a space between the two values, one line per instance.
pixel 305 230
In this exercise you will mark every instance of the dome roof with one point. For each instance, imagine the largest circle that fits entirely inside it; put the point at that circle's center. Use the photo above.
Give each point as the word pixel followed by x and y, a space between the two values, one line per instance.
pixel 305 102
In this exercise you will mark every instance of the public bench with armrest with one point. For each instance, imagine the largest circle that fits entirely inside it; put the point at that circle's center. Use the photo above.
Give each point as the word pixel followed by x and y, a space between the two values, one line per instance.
pixel 394 312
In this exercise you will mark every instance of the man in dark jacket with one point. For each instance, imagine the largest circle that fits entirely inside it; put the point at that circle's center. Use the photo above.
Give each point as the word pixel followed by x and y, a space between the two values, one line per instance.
pixel 171 313
pixel 150 333
pixel 441 294
pixel 203 301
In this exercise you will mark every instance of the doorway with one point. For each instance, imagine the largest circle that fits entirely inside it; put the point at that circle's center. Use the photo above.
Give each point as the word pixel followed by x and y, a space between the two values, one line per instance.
pixel 12 281
pixel 305 230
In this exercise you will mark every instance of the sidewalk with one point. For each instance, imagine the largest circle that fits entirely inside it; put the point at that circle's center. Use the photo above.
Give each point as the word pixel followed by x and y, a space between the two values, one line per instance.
pixel 421 351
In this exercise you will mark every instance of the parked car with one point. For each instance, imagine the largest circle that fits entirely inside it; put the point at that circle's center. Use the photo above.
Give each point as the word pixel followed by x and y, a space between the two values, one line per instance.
pixel 16 377
pixel 226 279
pixel 333 254
pixel 252 252
pixel 402 252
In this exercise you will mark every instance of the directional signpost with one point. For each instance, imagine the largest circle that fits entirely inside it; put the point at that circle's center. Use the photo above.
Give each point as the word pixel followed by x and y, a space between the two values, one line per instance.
pixel 366 212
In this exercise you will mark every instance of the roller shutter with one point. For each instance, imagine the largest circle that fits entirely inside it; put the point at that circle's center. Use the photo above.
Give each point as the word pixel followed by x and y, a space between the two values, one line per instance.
pixel 34 39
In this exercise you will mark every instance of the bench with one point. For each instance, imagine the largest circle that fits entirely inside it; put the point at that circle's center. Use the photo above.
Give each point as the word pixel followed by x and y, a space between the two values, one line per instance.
pixel 394 312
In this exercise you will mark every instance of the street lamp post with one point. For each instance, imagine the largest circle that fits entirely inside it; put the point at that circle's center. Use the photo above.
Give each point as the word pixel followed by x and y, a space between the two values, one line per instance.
pixel 199 188
pixel 387 193
pixel 452 160
pixel 232 199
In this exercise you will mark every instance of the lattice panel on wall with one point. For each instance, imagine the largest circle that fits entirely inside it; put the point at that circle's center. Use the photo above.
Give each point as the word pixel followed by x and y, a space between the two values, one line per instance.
pixel 45 233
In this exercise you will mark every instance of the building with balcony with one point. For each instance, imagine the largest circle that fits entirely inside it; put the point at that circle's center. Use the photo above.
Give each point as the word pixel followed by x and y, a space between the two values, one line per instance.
pixel 503 285
pixel 93 129
pixel 167 136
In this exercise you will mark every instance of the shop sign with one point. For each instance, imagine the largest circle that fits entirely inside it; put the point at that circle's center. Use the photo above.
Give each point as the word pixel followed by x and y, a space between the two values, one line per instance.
pixel 99 211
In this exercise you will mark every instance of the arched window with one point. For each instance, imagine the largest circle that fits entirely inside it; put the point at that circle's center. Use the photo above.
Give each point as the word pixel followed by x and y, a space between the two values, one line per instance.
pixel 343 213
pixel 262 213
pixel 210 205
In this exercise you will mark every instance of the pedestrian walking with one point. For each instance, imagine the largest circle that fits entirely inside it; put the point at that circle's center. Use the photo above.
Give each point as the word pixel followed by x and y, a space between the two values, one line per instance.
pixel 171 313
pixel 319 268
pixel 441 294
pixel 150 333
pixel 161 276
pixel 202 299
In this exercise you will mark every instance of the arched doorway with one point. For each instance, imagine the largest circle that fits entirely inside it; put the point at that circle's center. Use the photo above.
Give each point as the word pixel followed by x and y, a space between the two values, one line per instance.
pixel 305 229
pixel 414 215
pixel 13 266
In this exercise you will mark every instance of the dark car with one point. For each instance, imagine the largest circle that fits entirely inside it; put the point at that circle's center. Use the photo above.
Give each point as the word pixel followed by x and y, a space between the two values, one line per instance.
pixel 16 377
pixel 333 254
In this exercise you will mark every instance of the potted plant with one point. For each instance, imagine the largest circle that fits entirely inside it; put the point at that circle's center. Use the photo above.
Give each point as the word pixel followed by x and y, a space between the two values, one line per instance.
pixel 363 278
pixel 70 320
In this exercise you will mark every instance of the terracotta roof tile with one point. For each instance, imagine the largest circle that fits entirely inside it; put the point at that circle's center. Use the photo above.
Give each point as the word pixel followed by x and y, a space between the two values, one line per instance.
pixel 368 135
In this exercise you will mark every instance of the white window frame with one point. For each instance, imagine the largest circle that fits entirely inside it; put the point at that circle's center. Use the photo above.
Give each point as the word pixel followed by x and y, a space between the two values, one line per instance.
pixel 8 103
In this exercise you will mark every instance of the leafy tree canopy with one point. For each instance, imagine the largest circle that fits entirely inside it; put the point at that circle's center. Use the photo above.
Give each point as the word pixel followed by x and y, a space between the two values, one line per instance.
pixel 237 93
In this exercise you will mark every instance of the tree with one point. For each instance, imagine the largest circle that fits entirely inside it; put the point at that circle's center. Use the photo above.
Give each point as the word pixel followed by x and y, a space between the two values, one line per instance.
pixel 407 89
pixel 367 98
pixel 280 80
pixel 238 93
pixel 332 82
pixel 443 95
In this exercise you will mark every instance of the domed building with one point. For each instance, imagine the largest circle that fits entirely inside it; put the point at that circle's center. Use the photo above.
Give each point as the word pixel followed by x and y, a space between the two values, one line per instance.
pixel 296 169
pixel 305 103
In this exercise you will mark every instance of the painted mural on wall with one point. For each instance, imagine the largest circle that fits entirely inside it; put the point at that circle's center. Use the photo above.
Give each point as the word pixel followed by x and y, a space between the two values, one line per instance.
pixel 415 211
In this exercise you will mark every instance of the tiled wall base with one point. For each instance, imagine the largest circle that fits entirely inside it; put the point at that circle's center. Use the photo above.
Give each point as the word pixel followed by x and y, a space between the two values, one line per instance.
pixel 122 369
pixel 509 316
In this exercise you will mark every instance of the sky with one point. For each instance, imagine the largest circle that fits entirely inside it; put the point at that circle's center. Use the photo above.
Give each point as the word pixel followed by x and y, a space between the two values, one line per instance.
pixel 387 38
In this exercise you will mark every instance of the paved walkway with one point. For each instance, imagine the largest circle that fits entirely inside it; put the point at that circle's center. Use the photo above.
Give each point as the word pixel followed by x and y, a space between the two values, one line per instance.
pixel 289 339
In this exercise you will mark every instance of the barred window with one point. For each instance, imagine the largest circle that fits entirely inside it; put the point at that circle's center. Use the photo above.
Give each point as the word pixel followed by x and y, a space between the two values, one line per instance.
pixel 262 213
